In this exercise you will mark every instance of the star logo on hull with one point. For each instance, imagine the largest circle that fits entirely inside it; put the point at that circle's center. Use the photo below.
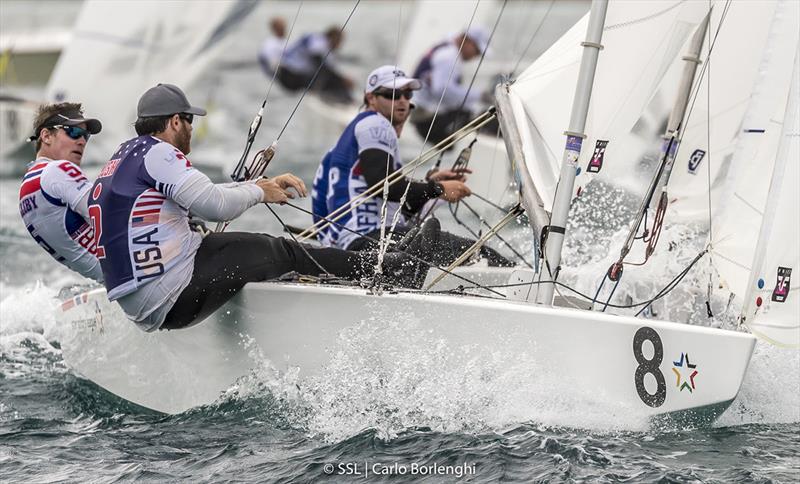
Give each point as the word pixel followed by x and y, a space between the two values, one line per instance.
pixel 683 382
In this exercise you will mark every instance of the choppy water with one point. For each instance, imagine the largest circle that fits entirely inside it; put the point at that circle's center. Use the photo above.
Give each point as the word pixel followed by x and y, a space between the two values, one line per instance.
pixel 362 421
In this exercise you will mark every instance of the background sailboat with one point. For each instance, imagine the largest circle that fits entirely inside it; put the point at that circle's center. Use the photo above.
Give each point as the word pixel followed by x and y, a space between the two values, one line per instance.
pixel 119 50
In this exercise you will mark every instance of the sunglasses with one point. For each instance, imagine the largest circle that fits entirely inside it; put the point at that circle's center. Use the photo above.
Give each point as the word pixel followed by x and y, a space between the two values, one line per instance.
pixel 394 95
pixel 186 117
pixel 74 132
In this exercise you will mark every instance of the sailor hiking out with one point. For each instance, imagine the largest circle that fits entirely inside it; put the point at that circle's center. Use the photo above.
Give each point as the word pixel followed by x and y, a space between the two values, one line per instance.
pixel 164 274
pixel 368 151
pixel 53 197
pixel 309 53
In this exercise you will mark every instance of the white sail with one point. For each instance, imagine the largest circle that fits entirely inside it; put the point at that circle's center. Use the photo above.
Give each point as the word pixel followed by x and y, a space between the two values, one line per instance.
pixel 120 49
pixel 619 107
pixel 740 259
pixel 757 266
pixel 742 69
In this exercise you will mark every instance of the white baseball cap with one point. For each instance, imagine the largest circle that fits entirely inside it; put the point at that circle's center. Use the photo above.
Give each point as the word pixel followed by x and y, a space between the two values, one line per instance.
pixel 479 35
pixel 390 77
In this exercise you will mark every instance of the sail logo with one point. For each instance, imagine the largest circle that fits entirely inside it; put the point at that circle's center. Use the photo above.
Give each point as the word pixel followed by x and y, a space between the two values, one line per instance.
pixel 695 159
pixel 596 163
pixel 781 291
pixel 685 368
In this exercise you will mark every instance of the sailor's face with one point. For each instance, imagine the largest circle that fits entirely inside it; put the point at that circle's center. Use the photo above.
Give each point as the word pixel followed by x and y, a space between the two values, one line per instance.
pixel 396 110
pixel 58 145
pixel 469 50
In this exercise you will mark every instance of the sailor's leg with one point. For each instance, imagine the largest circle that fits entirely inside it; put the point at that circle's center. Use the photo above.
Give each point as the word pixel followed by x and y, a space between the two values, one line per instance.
pixel 225 262
pixel 450 246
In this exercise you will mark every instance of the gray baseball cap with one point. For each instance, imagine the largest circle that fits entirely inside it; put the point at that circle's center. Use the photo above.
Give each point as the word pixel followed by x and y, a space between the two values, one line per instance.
pixel 165 100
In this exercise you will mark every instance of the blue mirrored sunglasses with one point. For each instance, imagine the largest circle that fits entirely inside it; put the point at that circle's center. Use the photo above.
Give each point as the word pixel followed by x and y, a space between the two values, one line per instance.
pixel 74 132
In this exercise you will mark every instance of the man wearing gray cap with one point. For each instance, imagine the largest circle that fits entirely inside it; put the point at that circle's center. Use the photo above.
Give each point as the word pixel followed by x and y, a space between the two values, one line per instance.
pixel 53 197
pixel 443 88
pixel 165 275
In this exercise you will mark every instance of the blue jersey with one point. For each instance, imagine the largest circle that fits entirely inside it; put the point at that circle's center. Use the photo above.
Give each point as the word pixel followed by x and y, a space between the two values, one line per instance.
pixel 425 65
pixel 339 179
pixel 141 232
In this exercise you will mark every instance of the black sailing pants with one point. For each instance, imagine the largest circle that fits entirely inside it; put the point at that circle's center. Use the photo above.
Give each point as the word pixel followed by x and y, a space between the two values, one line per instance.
pixel 225 262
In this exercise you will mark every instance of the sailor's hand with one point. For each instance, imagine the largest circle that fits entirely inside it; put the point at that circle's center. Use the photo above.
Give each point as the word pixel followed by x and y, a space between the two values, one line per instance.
pixel 287 180
pixel 454 190
pixel 273 192
pixel 443 175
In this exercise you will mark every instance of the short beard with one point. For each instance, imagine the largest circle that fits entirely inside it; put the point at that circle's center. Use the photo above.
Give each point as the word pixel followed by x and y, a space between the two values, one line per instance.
pixel 184 139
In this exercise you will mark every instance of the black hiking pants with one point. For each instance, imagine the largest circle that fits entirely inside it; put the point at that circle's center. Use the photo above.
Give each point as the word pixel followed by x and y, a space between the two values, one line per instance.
pixel 225 262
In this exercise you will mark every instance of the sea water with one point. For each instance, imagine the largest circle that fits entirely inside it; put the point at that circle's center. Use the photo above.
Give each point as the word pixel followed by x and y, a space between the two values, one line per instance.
pixel 391 406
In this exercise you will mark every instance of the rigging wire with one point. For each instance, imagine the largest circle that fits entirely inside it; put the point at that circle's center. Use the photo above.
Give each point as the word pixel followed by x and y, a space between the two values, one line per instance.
pixel 302 247
pixel 395 219
pixel 383 245
pixel 256 123
pixel 472 81
pixel 530 41
pixel 708 181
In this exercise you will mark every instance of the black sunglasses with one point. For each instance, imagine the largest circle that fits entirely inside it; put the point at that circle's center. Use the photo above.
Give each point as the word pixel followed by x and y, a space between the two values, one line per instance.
pixel 74 132
pixel 186 117
pixel 394 95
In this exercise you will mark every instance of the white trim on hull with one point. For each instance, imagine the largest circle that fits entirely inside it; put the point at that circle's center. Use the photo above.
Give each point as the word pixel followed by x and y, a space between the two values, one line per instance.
pixel 297 327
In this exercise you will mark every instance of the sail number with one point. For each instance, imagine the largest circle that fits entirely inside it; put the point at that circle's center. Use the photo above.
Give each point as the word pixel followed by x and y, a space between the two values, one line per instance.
pixel 650 366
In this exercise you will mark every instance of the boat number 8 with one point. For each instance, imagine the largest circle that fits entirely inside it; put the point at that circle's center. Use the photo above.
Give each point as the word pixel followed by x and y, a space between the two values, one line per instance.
pixel 650 366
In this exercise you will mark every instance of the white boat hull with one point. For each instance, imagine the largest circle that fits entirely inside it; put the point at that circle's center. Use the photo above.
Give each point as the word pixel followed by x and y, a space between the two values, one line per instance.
pixel 299 328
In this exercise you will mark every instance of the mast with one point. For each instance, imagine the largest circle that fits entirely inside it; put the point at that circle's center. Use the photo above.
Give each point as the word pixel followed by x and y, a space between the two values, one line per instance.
pixel 580 107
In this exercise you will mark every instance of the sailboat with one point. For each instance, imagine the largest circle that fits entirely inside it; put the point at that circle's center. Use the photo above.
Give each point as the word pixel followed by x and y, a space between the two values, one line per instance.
pixel 623 367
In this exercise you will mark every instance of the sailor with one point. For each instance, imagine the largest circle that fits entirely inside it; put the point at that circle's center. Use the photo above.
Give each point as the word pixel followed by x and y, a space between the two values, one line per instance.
pixel 269 55
pixel 53 198
pixel 365 154
pixel 443 87
pixel 304 57
pixel 163 274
